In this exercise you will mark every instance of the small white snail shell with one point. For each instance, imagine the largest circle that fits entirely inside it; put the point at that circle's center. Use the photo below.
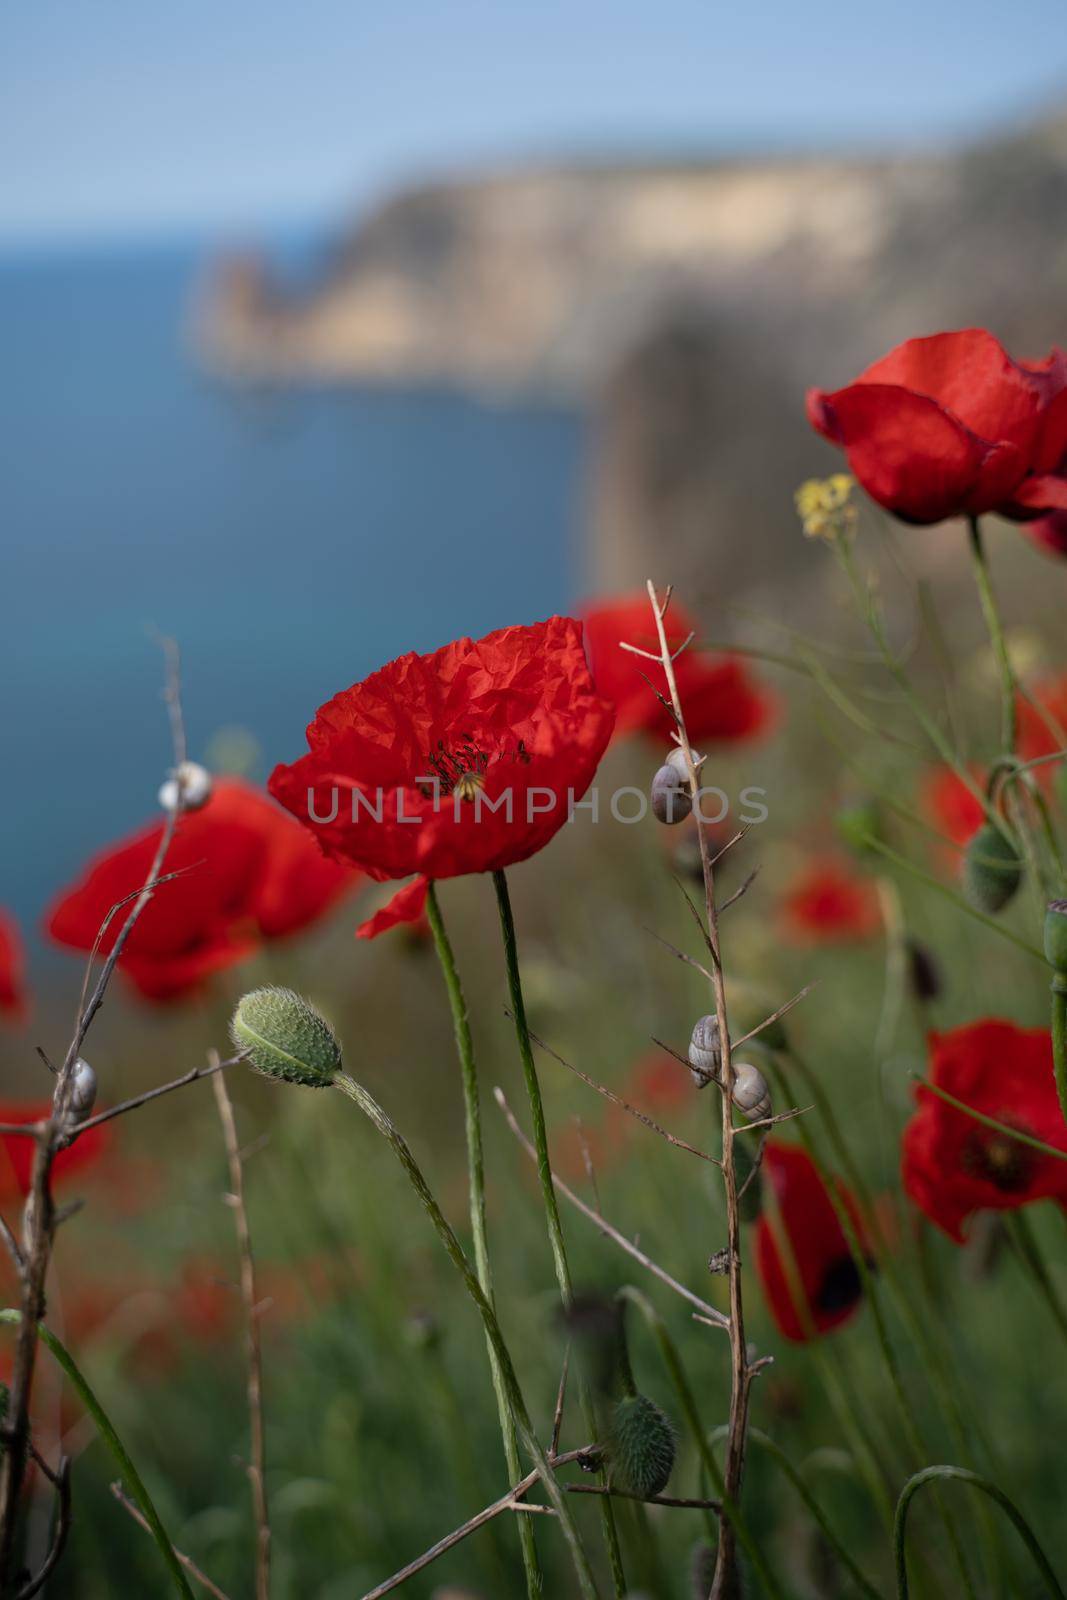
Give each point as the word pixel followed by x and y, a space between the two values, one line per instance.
pixel 671 800
pixel 751 1093
pixel 196 786
pixel 705 1051
pixel 82 1090
pixel 677 762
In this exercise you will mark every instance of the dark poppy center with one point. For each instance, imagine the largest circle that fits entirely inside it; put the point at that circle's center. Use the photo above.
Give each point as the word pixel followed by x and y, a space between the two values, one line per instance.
pixel 839 1287
pixel 460 766
pixel 998 1159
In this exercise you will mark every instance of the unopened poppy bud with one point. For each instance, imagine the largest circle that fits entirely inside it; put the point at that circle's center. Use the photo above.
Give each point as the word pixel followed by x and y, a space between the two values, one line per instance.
pixel 286 1038
pixel 671 799
pixel 194 782
pixel 1056 935
pixel 992 871
pixel 82 1090
pixel 750 1092
pixel 705 1051
pixel 641 1446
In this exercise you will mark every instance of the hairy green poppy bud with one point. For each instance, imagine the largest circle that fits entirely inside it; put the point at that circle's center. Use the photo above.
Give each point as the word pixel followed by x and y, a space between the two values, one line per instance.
pixel 641 1446
pixel 991 869
pixel 1056 935
pixel 286 1038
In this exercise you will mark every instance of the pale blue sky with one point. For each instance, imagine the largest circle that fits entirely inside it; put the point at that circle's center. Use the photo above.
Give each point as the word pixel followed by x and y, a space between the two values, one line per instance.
pixel 138 115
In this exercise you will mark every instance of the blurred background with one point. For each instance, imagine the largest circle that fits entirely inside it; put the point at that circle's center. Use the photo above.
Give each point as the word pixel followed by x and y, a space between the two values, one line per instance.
pixel 332 331
pixel 478 308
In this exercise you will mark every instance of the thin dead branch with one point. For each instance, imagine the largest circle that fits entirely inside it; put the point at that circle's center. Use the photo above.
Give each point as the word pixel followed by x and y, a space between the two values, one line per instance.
pixel 253 1351
pixel 711 1315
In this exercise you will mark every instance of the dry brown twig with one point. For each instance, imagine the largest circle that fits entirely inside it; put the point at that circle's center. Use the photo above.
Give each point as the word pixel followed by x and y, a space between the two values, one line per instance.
pixel 713 1316
pixel 257 1457
pixel 39 1217
pixel 186 1561
pixel 624 1105
pixel 725 1581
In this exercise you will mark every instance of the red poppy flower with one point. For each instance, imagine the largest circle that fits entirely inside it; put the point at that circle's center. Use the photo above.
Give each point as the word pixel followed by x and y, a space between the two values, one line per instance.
pixel 822 1269
pixel 13 1000
pixel 953 1165
pixel 16 1149
pixel 829 904
pixel 246 872
pixel 465 760
pixel 1037 733
pixel 951 426
pixel 722 702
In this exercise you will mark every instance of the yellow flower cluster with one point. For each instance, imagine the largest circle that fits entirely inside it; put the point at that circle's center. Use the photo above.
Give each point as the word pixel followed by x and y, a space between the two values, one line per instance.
pixel 824 506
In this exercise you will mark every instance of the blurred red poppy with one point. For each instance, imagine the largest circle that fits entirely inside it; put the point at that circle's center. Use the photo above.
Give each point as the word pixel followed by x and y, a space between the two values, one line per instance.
pixel 16 1149
pixel 954 1165
pixel 465 760
pixel 820 1287
pixel 246 872
pixel 722 702
pixel 951 426
pixel 1049 533
pixel 1038 724
pixel 13 995
pixel 828 903
pixel 950 806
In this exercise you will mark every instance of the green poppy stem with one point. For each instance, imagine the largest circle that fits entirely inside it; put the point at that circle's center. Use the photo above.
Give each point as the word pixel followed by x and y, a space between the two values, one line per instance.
pixel 1009 719
pixel 557 1499
pixel 114 1444
pixel 1059 1037
pixel 1019 1522
pixel 548 1190
pixel 476 1188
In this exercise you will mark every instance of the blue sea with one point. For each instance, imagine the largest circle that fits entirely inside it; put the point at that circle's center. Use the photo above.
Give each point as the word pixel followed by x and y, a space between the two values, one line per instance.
pixel 290 541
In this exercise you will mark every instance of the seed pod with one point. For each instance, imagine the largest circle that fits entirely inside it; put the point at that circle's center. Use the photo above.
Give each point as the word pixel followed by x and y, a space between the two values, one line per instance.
pixel 992 871
pixel 286 1038
pixel 671 800
pixel 641 1446
pixel 195 783
pixel 705 1051
pixel 1056 935
pixel 82 1090
pixel 750 1092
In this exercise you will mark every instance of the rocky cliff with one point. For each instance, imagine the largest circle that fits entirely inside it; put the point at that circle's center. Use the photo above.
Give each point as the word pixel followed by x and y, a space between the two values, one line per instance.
pixel 692 302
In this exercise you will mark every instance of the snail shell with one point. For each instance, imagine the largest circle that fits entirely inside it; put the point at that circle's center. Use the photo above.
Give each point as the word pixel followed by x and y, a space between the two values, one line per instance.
pixel 705 1051
pixel 677 762
pixel 751 1093
pixel 671 800
pixel 82 1090
pixel 195 782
